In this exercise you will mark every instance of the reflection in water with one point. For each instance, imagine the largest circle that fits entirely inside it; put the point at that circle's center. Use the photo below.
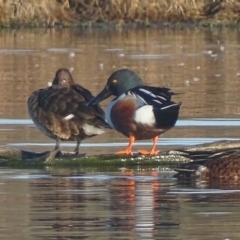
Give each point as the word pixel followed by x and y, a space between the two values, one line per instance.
pixel 115 206
pixel 130 205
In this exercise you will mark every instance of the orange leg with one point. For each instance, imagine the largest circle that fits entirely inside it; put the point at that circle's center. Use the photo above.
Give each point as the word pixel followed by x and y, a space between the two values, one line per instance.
pixel 128 150
pixel 152 151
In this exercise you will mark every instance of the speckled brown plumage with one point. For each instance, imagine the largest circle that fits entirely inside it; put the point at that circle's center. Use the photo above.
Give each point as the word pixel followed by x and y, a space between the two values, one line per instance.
pixel 61 113
pixel 220 164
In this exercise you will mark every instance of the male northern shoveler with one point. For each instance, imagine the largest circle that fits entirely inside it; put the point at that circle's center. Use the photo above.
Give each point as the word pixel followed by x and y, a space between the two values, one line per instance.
pixel 61 113
pixel 214 164
pixel 139 112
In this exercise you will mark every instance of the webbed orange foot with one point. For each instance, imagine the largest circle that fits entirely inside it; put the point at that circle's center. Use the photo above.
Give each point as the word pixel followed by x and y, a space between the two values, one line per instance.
pixel 128 150
pixel 125 152
pixel 146 152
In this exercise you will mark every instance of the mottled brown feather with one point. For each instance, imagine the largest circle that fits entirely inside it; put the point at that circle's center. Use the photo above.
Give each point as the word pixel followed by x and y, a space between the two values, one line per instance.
pixel 220 164
pixel 48 108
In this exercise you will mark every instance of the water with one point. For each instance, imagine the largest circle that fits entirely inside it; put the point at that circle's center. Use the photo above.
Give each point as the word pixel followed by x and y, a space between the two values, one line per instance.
pixel 86 204
pixel 117 204
pixel 202 64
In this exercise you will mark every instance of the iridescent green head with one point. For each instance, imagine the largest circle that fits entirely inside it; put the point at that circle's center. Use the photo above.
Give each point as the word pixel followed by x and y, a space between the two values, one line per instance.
pixel 118 83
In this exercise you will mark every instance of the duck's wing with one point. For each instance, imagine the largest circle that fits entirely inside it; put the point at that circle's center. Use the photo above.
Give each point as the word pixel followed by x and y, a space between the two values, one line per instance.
pixel 156 102
pixel 38 102
pixel 64 103
pixel 203 156
pixel 155 96
pixel 200 159
pixel 87 95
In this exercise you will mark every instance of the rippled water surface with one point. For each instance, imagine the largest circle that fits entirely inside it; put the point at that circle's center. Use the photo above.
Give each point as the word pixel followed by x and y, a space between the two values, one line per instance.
pixel 202 64
pixel 139 204
pixel 86 204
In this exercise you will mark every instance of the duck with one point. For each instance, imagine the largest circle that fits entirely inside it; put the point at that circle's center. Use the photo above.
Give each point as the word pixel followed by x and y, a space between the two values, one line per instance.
pixel 60 111
pixel 138 111
pixel 222 164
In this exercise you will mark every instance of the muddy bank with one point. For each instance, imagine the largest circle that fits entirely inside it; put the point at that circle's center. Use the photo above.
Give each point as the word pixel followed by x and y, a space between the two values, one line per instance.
pixel 102 13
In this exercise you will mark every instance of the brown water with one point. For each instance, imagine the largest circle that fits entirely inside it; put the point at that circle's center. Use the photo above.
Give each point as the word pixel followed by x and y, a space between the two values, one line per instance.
pixel 87 204
pixel 60 204
pixel 203 64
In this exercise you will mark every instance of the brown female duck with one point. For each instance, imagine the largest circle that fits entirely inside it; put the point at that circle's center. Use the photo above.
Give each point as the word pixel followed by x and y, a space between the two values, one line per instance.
pixel 221 164
pixel 60 111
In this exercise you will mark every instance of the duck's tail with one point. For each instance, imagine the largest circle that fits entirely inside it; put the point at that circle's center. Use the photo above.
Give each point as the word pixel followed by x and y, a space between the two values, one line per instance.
pixel 166 116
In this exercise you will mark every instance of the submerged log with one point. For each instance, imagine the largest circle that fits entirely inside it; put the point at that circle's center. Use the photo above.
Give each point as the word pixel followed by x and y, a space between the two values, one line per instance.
pixel 9 154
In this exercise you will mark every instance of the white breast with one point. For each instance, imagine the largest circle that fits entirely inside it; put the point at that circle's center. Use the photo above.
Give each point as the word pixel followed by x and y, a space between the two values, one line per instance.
pixel 109 108
pixel 145 115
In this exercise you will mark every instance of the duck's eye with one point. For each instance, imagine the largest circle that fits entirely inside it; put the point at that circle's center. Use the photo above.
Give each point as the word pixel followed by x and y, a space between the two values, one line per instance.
pixel 114 80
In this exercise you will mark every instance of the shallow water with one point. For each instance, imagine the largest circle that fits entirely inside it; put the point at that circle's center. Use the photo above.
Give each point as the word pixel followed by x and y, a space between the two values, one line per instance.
pixel 86 204
pixel 138 204
pixel 202 64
